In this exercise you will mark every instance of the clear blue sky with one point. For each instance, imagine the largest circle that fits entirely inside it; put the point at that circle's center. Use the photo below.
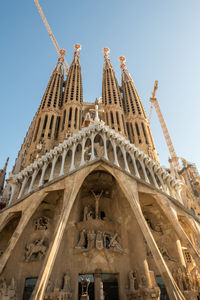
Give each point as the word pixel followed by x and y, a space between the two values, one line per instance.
pixel 160 40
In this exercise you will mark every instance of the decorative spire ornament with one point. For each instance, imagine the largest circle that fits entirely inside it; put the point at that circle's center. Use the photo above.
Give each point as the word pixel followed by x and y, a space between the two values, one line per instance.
pixel 77 47
pixel 122 59
pixel 106 50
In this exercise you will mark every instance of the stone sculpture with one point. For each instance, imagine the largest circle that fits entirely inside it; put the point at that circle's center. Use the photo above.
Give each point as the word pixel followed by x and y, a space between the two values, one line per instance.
pixel 81 242
pixel 132 280
pixel 35 250
pixel 85 282
pixel 41 223
pixel 7 291
pixel 89 239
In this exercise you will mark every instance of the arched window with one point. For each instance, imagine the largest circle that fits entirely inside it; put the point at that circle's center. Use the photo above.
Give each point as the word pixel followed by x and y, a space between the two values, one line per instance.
pixel 37 129
pixel 112 119
pixel 118 123
pixel 50 126
pixel 75 118
pixel 144 132
pixel 138 133
pixel 64 118
pixel 70 117
pixel 57 127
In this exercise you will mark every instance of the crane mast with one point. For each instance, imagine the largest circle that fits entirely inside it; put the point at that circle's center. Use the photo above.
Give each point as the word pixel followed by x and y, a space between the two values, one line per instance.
pixel 61 52
pixel 168 140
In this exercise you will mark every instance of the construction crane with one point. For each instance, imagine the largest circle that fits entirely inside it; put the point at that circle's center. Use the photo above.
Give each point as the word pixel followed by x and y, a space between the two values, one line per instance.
pixel 61 52
pixel 154 102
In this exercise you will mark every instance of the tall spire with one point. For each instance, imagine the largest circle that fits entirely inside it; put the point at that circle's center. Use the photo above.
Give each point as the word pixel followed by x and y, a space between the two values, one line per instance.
pixel 114 116
pixel 137 125
pixel 73 96
pixel 43 132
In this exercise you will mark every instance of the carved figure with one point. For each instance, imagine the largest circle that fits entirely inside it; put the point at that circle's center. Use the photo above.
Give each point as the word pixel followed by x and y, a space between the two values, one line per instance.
pixel 97 198
pixel 90 215
pixel 3 287
pixel 85 285
pixel 114 244
pixel 85 212
pixel 41 223
pixel 50 286
pixel 7 291
pixel 35 250
pixel 81 243
pixel 132 279
pixel 165 253
pixel 91 235
pixel 99 240
pixel 66 285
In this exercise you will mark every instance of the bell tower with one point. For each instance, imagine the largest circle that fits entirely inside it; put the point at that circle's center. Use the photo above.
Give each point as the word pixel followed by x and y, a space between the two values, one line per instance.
pixel 137 125
pixel 111 97
pixel 73 96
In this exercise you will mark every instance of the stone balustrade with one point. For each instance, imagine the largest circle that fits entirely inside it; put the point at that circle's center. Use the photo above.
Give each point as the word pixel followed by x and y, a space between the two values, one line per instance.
pixel 91 143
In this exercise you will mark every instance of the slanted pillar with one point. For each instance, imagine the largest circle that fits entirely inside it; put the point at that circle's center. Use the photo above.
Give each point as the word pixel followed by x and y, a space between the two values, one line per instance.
pixel 105 146
pixel 53 167
pixel 129 187
pixel 63 162
pixel 72 168
pixel 83 153
pixel 72 186
pixel 43 173
pixel 14 189
pixel 125 160
pixel 134 165
pixel 115 154
pixel 33 180
pixel 23 186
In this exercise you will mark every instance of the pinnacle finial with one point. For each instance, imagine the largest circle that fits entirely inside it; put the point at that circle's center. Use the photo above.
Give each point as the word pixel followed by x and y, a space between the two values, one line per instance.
pixel 77 48
pixel 5 166
pixel 106 50
pixel 122 59
pixel 62 54
pixel 154 89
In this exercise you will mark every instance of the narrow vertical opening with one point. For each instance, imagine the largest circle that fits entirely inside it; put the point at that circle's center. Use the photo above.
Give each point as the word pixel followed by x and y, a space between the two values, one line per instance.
pixel 37 129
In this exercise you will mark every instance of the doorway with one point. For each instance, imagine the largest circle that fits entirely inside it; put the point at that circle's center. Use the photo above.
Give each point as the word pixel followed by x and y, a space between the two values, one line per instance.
pixel 87 283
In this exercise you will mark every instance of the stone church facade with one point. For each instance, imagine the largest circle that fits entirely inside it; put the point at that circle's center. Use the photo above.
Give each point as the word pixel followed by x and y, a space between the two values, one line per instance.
pixel 88 212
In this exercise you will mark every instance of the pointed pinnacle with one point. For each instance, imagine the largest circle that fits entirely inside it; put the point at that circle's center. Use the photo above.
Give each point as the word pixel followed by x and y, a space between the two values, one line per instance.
pixel 106 50
pixel 5 166
pixel 122 59
pixel 77 48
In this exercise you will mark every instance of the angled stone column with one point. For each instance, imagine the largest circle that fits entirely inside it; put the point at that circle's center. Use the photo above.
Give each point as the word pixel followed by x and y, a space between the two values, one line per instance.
pixel 72 167
pixel 33 180
pixel 23 186
pixel 83 152
pixel 53 167
pixel 171 213
pixel 105 146
pixel 43 173
pixel 63 162
pixel 116 163
pixel 134 165
pixel 27 214
pixel 72 186
pixel 129 187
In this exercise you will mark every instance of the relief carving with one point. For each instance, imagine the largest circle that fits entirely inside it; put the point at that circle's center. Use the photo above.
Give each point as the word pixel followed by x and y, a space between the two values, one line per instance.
pixel 41 223
pixel 7 291
pixel 89 239
pixel 165 253
pixel 55 293
pixel 35 250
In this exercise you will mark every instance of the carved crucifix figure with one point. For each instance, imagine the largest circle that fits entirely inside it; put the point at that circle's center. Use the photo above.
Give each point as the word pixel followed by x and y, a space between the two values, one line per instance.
pixel 97 198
